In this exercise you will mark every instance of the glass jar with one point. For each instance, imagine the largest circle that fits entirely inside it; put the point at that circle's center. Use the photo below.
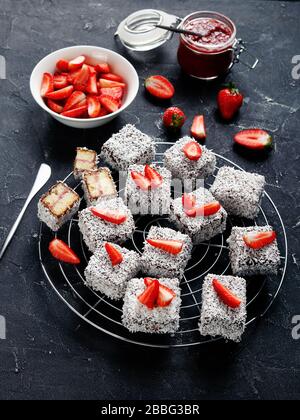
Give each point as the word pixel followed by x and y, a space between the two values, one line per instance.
pixel 212 54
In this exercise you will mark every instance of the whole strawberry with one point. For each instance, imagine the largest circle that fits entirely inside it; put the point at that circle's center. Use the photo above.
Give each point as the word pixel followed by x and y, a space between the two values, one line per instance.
pixel 174 118
pixel 230 100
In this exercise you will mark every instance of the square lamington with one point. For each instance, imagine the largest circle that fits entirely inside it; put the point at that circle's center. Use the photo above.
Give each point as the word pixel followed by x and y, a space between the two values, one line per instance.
pixel 246 261
pixel 155 201
pixel 183 168
pixel 97 185
pixel 218 319
pixel 138 318
pixel 58 206
pixel 86 160
pixel 128 147
pixel 158 263
pixel 96 230
pixel 111 280
pixel 201 228
pixel 239 192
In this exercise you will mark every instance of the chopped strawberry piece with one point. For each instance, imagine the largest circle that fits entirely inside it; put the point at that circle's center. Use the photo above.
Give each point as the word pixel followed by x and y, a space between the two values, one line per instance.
pixel 116 92
pixel 141 181
pixel 72 76
pixel 192 151
pixel 150 295
pixel 62 66
pixel 257 240
pixel 81 81
pixel 198 130
pixel 92 69
pixel 254 139
pixel 77 63
pixel 111 216
pixel 92 87
pixel 62 252
pixel 226 296
pixel 160 87
pixel 188 201
pixel 103 112
pixel 165 294
pixel 60 81
pixel 94 106
pixel 111 104
pixel 74 100
pixel 114 254
pixel 55 106
pixel 154 177
pixel 204 211
pixel 102 68
pixel 75 112
pixel 113 77
pixel 103 83
pixel 61 93
pixel 171 246
pixel 47 84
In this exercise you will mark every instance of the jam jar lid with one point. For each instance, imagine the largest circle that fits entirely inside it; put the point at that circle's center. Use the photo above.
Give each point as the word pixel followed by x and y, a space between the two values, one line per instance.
pixel 139 33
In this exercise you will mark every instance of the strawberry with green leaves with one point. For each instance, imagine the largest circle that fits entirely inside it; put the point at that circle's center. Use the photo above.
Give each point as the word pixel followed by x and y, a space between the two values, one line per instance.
pixel 230 100
pixel 254 139
pixel 174 118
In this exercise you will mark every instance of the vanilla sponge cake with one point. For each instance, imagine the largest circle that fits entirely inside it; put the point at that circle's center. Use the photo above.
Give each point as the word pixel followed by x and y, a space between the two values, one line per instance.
pixel 239 192
pixel 218 319
pixel 128 147
pixel 202 228
pixel 159 320
pixel 246 261
pixel 98 184
pixel 86 160
pixel 111 280
pixel 58 206
pixel 183 168
pixel 155 201
pixel 95 230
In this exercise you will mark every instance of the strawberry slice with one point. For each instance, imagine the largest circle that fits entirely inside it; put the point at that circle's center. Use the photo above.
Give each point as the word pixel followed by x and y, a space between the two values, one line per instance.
pixel 62 252
pixel 141 181
pixel 116 92
pixel 111 216
pixel 81 81
pixel 150 295
pixel 154 177
pixel 60 94
pixel 171 246
pixel 192 151
pixel 188 201
pixel 254 139
pixel 92 87
pixel 114 254
pixel 92 69
pixel 226 296
pixel 198 130
pixel 111 104
pixel 94 106
pixel 77 63
pixel 205 211
pixel 62 65
pixel 165 294
pixel 258 240
pixel 47 84
pixel 102 112
pixel 102 68
pixel 72 76
pixel 54 106
pixel 113 77
pixel 160 87
pixel 74 100
pixel 60 81
pixel 103 83
pixel 75 112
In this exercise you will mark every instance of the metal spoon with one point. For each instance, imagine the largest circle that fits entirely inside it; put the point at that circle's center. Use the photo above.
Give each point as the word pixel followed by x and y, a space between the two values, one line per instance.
pixel 42 177
pixel 180 31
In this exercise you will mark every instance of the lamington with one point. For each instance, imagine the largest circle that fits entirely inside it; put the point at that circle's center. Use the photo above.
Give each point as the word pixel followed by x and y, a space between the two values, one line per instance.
pixel 95 229
pixel 98 184
pixel 155 200
pixel 239 192
pixel 183 167
pixel 58 206
pixel 86 160
pixel 111 280
pixel 137 317
pixel 199 227
pixel 168 254
pixel 219 319
pixel 128 147
pixel 247 261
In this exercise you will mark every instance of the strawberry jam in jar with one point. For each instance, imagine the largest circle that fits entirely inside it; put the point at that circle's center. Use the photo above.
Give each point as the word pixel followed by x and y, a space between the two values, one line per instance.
pixel 210 54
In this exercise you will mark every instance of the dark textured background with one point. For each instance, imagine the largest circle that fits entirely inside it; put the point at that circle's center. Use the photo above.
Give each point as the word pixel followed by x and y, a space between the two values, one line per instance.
pixel 45 356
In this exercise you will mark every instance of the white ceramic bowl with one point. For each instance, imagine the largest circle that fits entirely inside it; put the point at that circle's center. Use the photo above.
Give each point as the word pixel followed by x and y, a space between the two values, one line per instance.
pixel 118 64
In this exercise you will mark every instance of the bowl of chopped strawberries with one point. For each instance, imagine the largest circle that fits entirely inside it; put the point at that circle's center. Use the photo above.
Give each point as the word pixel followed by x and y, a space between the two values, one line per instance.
pixel 84 86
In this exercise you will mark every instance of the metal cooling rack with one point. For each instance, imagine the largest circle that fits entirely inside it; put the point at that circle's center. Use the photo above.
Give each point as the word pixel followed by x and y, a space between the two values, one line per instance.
pixel 212 257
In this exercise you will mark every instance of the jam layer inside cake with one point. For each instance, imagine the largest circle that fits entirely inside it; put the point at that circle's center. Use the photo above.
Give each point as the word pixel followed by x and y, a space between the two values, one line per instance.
pixel 85 160
pixel 60 199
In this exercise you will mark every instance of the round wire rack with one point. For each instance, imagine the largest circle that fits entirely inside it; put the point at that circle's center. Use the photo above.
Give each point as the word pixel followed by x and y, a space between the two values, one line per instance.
pixel 211 257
